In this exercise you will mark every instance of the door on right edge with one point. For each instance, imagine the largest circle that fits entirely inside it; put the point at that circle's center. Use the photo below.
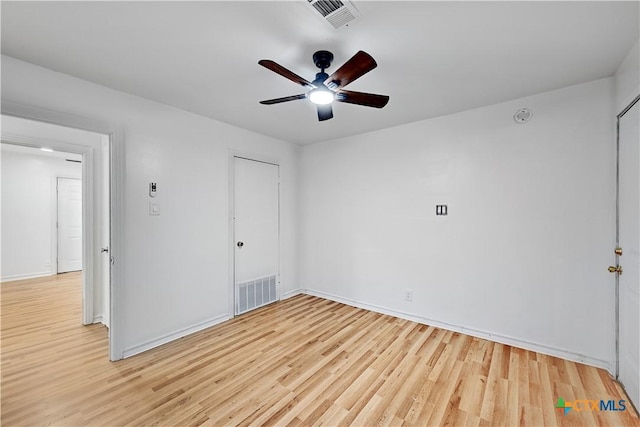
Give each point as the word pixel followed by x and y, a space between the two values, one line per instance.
pixel 629 241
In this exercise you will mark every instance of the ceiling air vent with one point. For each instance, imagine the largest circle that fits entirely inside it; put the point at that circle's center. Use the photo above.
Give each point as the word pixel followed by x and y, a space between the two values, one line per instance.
pixel 337 12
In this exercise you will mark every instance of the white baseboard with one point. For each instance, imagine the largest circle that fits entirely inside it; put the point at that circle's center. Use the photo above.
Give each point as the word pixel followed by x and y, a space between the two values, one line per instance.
pixel 292 293
pixel 25 276
pixel 148 345
pixel 502 339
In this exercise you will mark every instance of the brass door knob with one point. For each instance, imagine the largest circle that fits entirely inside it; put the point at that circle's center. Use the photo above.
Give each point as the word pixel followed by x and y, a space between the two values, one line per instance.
pixel 615 269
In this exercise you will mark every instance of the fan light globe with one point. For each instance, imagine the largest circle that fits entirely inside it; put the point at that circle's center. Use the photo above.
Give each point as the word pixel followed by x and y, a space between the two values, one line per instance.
pixel 321 96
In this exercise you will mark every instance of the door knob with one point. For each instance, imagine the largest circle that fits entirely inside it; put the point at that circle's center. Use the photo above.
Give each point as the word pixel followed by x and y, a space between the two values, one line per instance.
pixel 618 251
pixel 104 250
pixel 615 269
pixel 240 244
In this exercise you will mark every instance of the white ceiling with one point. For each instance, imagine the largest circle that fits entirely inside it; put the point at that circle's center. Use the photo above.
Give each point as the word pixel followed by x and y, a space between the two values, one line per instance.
pixel 31 151
pixel 434 58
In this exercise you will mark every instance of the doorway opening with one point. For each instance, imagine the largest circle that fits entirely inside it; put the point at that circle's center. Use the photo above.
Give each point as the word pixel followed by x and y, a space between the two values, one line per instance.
pixel 47 156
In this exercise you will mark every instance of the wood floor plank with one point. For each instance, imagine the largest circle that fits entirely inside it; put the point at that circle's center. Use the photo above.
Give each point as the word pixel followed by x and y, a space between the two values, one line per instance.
pixel 300 362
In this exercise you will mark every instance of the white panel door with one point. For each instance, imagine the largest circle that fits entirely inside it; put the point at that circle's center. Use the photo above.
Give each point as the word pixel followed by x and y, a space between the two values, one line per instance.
pixel 629 241
pixel 69 225
pixel 256 225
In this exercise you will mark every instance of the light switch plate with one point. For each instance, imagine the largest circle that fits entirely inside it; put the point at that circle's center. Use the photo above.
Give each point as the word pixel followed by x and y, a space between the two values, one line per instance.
pixel 154 208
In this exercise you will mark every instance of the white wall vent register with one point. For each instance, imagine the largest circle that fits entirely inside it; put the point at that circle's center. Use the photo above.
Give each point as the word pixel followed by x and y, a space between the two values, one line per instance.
pixel 256 293
pixel 337 12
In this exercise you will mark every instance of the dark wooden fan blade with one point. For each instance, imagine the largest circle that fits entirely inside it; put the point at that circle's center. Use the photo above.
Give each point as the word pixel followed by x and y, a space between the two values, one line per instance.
pixel 284 99
pixel 361 98
pixel 325 112
pixel 359 64
pixel 279 69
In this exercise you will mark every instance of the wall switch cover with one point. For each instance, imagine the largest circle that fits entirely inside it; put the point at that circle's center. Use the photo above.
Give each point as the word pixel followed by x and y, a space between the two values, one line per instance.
pixel 154 208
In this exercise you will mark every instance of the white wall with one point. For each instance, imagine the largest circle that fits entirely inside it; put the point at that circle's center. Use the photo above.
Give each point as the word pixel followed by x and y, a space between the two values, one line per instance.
pixel 176 265
pixel 627 79
pixel 521 258
pixel 29 212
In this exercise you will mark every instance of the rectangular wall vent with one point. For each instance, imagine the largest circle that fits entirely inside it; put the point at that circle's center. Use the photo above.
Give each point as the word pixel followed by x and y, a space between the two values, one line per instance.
pixel 255 293
pixel 336 12
pixel 326 7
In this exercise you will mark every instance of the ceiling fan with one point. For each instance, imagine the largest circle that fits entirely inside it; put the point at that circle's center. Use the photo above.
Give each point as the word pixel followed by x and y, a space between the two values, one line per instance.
pixel 328 88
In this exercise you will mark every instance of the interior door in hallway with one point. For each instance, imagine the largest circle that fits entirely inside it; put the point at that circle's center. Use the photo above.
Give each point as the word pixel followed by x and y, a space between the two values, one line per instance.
pixel 629 243
pixel 69 225
pixel 256 233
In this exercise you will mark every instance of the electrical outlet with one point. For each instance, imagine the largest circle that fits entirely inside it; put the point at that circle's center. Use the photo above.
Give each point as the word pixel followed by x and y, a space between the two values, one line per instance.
pixel 441 209
pixel 408 294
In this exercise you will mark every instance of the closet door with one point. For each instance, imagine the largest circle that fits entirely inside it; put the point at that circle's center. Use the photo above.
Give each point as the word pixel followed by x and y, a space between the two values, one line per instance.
pixel 256 232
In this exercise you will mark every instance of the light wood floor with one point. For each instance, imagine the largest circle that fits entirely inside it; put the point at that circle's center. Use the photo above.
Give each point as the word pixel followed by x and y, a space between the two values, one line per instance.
pixel 303 361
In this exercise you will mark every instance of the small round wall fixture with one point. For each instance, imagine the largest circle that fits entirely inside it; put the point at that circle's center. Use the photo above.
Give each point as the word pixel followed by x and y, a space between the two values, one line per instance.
pixel 522 116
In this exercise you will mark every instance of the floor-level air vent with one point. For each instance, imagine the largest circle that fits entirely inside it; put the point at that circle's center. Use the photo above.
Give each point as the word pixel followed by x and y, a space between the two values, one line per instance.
pixel 337 12
pixel 255 293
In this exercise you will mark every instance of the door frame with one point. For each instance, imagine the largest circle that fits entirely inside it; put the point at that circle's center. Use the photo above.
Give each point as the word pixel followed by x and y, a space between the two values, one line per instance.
pixel 116 206
pixel 617 257
pixel 232 154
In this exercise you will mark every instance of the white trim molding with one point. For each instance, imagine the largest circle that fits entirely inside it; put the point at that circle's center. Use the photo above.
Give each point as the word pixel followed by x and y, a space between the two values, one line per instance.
pixel 293 293
pixel 164 339
pixel 25 276
pixel 502 339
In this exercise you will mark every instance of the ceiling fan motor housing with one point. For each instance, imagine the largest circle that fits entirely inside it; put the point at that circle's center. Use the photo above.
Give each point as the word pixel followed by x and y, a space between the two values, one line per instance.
pixel 320 78
pixel 323 59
